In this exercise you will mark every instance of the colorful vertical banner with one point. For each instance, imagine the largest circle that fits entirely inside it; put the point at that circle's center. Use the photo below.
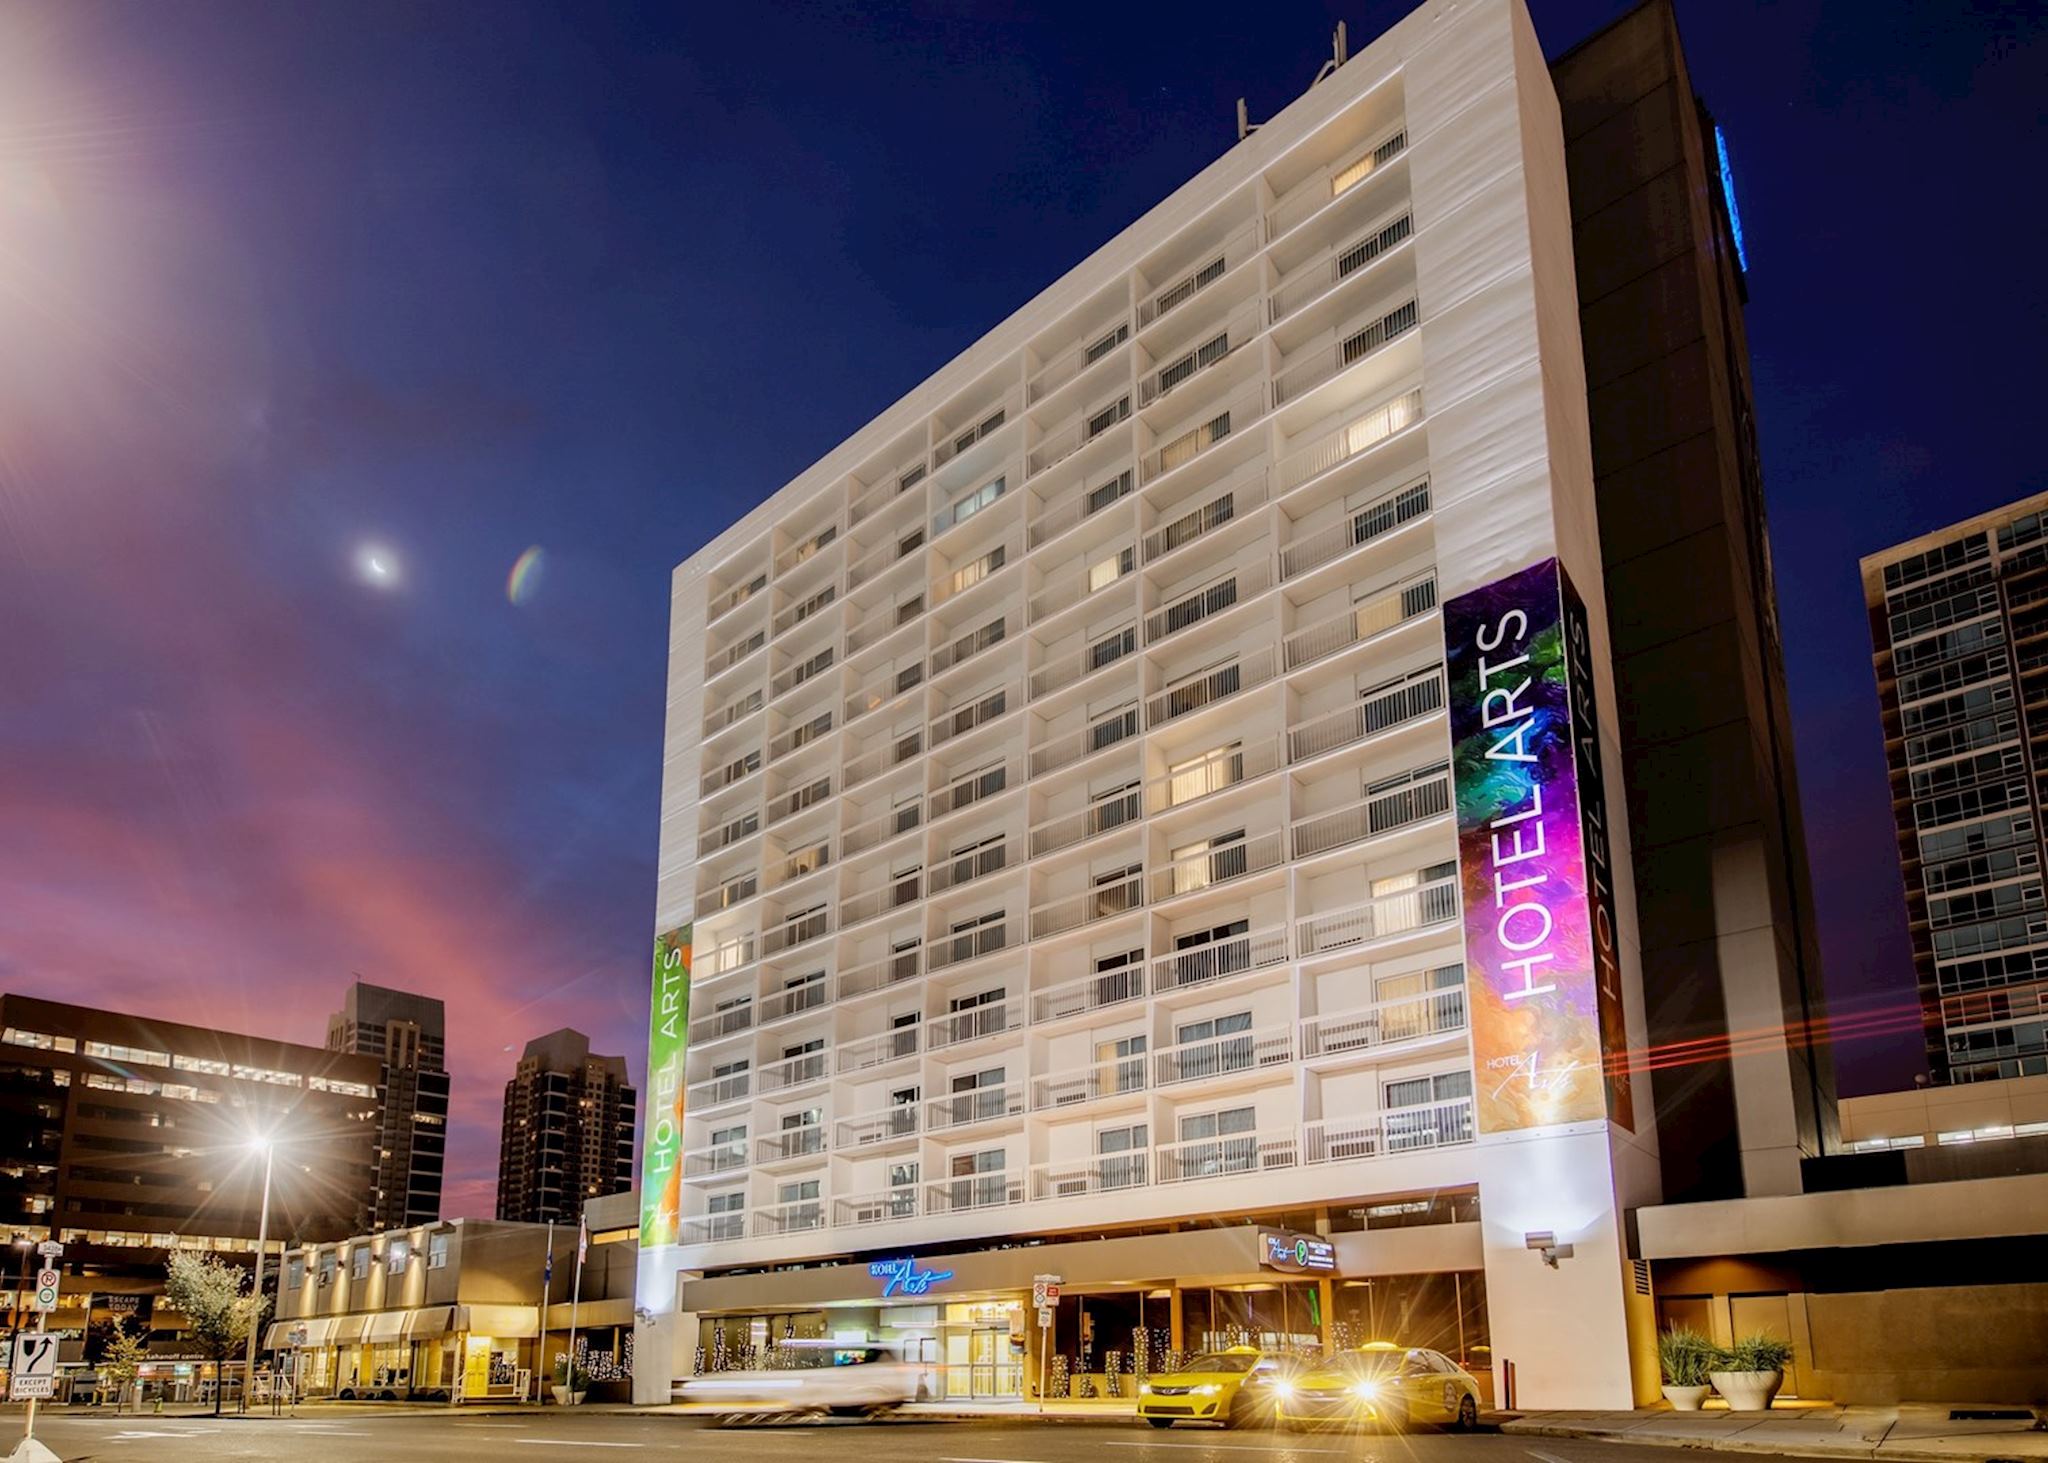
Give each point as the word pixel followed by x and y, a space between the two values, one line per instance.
pixel 1539 915
pixel 668 1042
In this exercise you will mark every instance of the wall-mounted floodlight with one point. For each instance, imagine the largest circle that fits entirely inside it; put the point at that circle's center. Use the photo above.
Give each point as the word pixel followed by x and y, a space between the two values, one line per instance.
pixel 1545 1242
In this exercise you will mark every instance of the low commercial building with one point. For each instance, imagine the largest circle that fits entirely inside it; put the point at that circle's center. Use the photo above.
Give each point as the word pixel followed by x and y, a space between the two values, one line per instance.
pixel 446 1312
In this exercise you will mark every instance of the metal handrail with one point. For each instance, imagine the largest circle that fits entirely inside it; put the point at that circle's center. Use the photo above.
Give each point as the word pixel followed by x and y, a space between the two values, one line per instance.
pixel 1104 732
pixel 1079 428
pixel 1084 502
pixel 1396 604
pixel 1309 282
pixel 974 1023
pixel 1415 696
pixel 891 969
pixel 1119 810
pixel 1224 503
pixel 1234 955
pixel 1422 907
pixel 974 1191
pixel 807 1140
pixel 1435 1013
pixel 1105 901
pixel 957 949
pixel 880 1207
pixel 885 1126
pixel 1101 1174
pixel 1113 1078
pixel 792 1000
pixel 1219 865
pixel 1251 577
pixel 1218 771
pixel 792 1218
pixel 987 636
pixel 715 1158
pixel 876 831
pixel 879 1050
pixel 893 753
pixel 1394 1130
pixel 1359 527
pixel 1373 815
pixel 1090 993
pixel 977 1105
pixel 1203 688
pixel 1071 362
pixel 1069 588
pixel 1354 343
pixel 1361 434
pixel 1101 653
pixel 1226 1154
pixel 1326 185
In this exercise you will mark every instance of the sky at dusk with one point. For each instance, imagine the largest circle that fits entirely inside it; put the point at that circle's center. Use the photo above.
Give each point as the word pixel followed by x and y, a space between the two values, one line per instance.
pixel 283 285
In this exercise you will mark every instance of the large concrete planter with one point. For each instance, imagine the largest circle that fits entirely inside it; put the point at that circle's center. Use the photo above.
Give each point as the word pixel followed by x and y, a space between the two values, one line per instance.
pixel 1748 1391
pixel 564 1397
pixel 1686 1399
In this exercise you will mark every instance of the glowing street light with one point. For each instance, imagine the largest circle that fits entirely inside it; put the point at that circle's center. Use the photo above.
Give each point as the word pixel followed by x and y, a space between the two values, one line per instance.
pixel 259 1144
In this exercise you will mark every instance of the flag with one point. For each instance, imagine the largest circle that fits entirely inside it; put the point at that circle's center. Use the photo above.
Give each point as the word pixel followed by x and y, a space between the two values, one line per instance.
pixel 547 1272
pixel 582 1240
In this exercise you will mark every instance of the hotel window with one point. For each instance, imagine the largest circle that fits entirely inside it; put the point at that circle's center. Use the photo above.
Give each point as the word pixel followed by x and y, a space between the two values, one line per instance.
pixel 1107 344
pixel 1108 416
pixel 114 1052
pixel 977 1096
pixel 1422 1112
pixel 1225 859
pixel 1105 572
pixel 1107 493
pixel 1199 776
pixel 909 610
pixel 976 570
pixel 437 1252
pixel 295 1273
pixel 1120 1064
pixel 42 1041
pixel 1121 1151
pixel 395 1256
pixel 978 1179
pixel 359 1263
pixel 1216 1142
pixel 982 934
pixel 1213 1045
pixel 970 505
pixel 329 1266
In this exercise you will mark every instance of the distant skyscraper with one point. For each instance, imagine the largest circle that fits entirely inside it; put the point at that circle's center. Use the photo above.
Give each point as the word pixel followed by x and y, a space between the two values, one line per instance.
pixel 568 1133
pixel 1962 683
pixel 407 1035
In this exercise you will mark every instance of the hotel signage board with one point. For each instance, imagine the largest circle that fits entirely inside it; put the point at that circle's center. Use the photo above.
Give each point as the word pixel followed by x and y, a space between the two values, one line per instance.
pixel 1296 1254
pixel 1542 959
pixel 668 1042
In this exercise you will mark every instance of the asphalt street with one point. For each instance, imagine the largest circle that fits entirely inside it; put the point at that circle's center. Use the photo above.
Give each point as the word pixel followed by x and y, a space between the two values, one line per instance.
pixel 570 1437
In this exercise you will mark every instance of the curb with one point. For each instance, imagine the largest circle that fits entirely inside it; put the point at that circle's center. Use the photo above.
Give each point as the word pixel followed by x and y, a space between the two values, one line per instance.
pixel 1784 1449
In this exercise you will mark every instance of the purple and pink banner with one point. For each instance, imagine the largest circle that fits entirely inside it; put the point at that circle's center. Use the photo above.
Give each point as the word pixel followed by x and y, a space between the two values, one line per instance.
pixel 1542 959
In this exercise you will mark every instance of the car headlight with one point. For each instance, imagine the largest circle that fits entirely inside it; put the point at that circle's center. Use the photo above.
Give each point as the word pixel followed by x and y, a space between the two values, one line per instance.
pixel 1207 1389
pixel 1143 1388
pixel 1365 1391
pixel 1283 1390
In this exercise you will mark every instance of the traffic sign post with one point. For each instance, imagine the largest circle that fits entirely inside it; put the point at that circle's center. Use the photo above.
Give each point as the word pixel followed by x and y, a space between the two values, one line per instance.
pixel 34 1375
pixel 1045 1293
pixel 46 1290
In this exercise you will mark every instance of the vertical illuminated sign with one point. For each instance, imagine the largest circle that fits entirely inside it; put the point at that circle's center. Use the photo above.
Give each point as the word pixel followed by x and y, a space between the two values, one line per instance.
pixel 1540 938
pixel 668 1042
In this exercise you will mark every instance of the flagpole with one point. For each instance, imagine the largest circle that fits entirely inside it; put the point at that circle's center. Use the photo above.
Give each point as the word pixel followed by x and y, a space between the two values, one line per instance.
pixel 576 1294
pixel 547 1288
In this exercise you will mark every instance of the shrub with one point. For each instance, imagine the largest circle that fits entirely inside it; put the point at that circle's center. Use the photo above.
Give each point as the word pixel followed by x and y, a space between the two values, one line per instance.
pixel 1755 1352
pixel 1686 1357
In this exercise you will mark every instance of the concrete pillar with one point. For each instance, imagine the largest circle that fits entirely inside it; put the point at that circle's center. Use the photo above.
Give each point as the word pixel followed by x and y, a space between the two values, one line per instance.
pixel 1325 1307
pixel 1174 1321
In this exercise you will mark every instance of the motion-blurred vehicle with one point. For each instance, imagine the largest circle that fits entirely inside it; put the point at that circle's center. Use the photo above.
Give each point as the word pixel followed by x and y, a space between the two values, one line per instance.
pixel 1381 1385
pixel 833 1378
pixel 1234 1387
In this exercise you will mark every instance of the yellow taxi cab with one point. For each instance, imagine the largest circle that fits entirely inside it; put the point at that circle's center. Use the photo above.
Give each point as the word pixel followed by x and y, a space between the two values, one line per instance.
pixel 1232 1387
pixel 1383 1385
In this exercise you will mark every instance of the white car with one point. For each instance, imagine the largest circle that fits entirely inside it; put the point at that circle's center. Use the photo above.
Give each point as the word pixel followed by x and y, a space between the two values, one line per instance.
pixel 838 1378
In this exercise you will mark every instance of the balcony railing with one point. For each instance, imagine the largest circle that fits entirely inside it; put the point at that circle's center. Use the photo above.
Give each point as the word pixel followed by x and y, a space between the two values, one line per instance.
pixel 976 713
pixel 720 1090
pixel 967 867
pixel 1069 363
pixel 793 1000
pixel 974 1191
pixel 724 604
pixel 1251 578
pixel 1185 443
pixel 1104 901
pixel 878 830
pixel 792 1218
pixel 978 1105
pixel 1106 650
pixel 788 619
pixel 1199 964
pixel 1077 431
pixel 1063 513
pixel 1382 610
pixel 906 888
pixel 1211 345
pixel 715 1158
pixel 1090 1083
pixel 1317 278
pixel 877 1208
pixel 1070 587
pixel 1213 265
pixel 812 729
pixel 1221 1056
pixel 1436 1014
pixel 1192 693
pixel 882 557
pixel 875 623
pixel 1419 694
pixel 991 421
pixel 713 1228
pixel 813 924
pixel 799 800
pixel 964 648
pixel 958 949
pixel 722 1023
pixel 736 890
pixel 1309 198
pixel 875 975
pixel 878 1050
pixel 731 831
pixel 725 775
pixel 887 489
pixel 1303 374
pixel 1215 772
pixel 1117 811
pixel 797 1071
pixel 1226 1155
pixel 805 1141
pixel 1360 527
pixel 1359 435
pixel 1102 1174
pixel 1090 993
pixel 789 679
pixel 724 957
pixel 1375 814
pixel 977 570
pixel 885 1126
pixel 724 660
pixel 975 788
pixel 1241 492
pixel 1099 736
pixel 1219 865
pixel 874 763
pixel 1396 1130
pixel 809 549
pixel 735 711
pixel 1422 907
pixel 974 1023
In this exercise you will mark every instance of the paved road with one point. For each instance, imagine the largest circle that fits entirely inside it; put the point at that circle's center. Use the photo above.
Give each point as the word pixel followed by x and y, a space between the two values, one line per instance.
pixel 557 1437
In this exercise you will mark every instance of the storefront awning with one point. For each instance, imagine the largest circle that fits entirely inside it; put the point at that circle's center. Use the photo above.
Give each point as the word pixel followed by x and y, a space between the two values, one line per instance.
pixel 386 1326
pixel 505 1323
pixel 278 1335
pixel 319 1331
pixel 429 1322
pixel 348 1330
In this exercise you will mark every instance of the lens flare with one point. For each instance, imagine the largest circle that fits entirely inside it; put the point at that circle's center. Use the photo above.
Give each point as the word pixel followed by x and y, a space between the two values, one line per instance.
pixel 524 580
pixel 377 566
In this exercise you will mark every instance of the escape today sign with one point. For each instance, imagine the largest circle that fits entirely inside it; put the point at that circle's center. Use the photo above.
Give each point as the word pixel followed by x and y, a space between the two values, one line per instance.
pixel 1534 856
pixel 668 1042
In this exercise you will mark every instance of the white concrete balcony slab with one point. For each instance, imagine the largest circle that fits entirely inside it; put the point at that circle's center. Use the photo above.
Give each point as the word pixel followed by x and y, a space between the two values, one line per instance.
pixel 1309 281
pixel 1427 906
pixel 1103 901
pixel 1236 955
pixel 1397 1130
pixel 1103 1174
pixel 1426 798
pixel 1090 993
pixel 1325 186
pixel 1226 1155
pixel 1379 611
pixel 1384 1023
pixel 1239 1053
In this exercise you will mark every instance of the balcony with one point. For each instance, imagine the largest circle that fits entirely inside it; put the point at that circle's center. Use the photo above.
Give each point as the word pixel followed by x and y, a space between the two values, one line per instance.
pixel 972 944
pixel 1247 580
pixel 807 1140
pixel 966 867
pixel 724 604
pixel 789 679
pixel 1069 669
pixel 737 770
pixel 799 800
pixel 978 1105
pixel 801 1070
pixel 878 1050
pixel 816 728
pixel 872 764
pixel 1382 811
pixel 888 1126
pixel 1105 901
pixel 1227 1155
pixel 878 830
pixel 976 713
pixel 1200 964
pixel 734 712
pixel 1398 1130
pixel 794 1218
pixel 1069 587
pixel 730 832
pixel 724 660
pixel 811 924
pixel 1309 282
pixel 887 489
pixel 788 619
pixel 1215 263
pixel 1219 864
pixel 1090 993
pixel 1062 514
pixel 976 1191
pixel 1305 200
pixel 975 1023
pixel 727 1022
pixel 1414 696
pixel 1088 1084
pixel 1214 772
pixel 733 1087
pixel 1313 550
pixel 1069 363
pixel 1240 493
pixel 734 891
pixel 1116 811
pixel 1118 726
pixel 905 888
pixel 1178 364
pixel 955 442
pixel 1300 376
pixel 1184 444
pixel 984 637
pixel 724 957
pixel 1221 1056
pixel 792 1000
pixel 1191 693
pixel 714 1159
pixel 967 573
pixel 1423 907
pixel 1356 437
pixel 713 1228
pixel 809 549
pixel 1381 610
pixel 875 975
pixel 879 1207
pixel 1101 1174
pixel 1077 431
pixel 1384 1023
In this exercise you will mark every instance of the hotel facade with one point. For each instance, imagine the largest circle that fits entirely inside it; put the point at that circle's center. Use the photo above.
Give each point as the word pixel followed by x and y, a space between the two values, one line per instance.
pixel 1144 814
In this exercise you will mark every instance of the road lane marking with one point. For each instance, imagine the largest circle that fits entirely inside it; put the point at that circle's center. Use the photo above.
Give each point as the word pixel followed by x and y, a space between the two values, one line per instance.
pixel 1546 1457
pixel 1277 1450
pixel 572 1443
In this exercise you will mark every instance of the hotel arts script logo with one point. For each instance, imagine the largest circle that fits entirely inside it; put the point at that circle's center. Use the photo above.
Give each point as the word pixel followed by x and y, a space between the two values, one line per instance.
pixel 901 1276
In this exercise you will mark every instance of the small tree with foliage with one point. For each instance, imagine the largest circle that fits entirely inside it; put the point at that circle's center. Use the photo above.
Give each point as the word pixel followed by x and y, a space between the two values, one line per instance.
pixel 208 1290
pixel 122 1357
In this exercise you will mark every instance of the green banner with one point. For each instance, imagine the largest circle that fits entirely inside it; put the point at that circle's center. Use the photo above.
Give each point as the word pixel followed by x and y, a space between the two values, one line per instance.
pixel 668 1042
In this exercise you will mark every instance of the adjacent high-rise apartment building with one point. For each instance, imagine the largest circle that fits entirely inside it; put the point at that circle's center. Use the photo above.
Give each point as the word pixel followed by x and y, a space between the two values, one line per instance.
pixel 407 1034
pixel 1146 812
pixel 568 1130
pixel 1957 617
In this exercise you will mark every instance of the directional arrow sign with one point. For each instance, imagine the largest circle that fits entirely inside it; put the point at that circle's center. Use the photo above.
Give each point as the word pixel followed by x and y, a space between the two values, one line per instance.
pixel 35 1367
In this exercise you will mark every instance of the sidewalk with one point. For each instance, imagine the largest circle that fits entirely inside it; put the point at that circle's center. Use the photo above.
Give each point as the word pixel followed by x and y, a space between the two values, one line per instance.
pixel 1904 1434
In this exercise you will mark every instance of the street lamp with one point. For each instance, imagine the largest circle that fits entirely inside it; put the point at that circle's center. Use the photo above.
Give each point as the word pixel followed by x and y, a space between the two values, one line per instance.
pixel 26 1245
pixel 268 1150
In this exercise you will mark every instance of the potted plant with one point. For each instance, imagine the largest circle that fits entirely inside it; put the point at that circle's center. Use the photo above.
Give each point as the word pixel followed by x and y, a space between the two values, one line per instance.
pixel 1686 1358
pixel 1750 1372
pixel 571 1382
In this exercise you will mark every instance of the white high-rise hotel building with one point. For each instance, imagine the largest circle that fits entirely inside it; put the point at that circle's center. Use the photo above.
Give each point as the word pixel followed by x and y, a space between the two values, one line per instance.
pixel 1061 814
